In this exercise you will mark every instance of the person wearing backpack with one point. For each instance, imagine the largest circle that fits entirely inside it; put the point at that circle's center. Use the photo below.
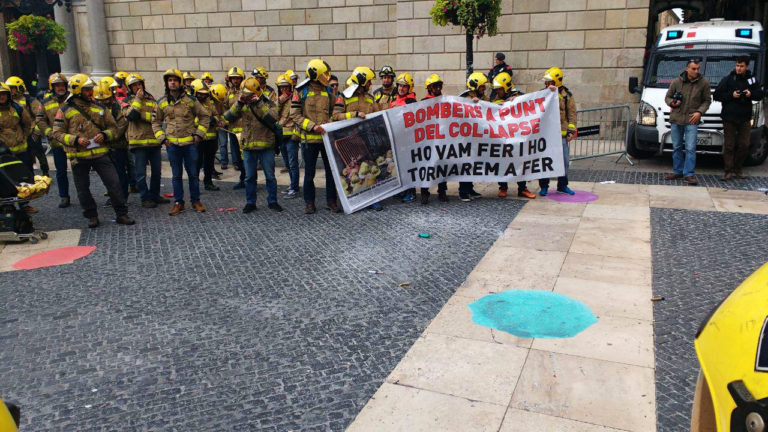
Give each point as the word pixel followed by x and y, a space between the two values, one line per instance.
pixel 258 117
pixel 311 108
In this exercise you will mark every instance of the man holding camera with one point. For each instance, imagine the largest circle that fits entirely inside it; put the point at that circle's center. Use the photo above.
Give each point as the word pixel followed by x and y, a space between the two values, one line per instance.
pixel 689 97
pixel 737 91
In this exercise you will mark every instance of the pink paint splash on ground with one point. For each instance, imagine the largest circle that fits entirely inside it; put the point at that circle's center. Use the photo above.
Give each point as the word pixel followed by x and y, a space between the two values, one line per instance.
pixel 54 257
pixel 580 197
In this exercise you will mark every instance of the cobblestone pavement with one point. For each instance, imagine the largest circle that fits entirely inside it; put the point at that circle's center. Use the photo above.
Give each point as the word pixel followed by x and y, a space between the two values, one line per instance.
pixel 698 259
pixel 226 321
pixel 657 178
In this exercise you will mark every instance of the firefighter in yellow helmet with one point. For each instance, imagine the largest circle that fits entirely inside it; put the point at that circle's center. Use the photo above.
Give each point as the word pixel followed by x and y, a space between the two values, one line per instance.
pixel 119 145
pixel 259 117
pixel 293 76
pixel 188 78
pixel 85 127
pixel 138 108
pixel 31 105
pixel 553 79
pixel 233 80
pixel 476 85
pixel 505 91
pixel 44 118
pixel 181 137
pixel 355 102
pixel 387 92
pixel 122 85
pixel 207 78
pixel 207 148
pixel 290 146
pixel 404 95
pixel 311 108
pixel 434 87
pixel 15 127
pixel 262 76
pixel 732 348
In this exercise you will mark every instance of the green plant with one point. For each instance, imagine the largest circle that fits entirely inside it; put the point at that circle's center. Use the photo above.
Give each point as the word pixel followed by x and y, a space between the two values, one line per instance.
pixel 478 17
pixel 31 32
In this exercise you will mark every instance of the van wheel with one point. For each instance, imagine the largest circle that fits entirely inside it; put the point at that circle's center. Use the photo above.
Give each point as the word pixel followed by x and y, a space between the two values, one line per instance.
pixel 758 154
pixel 632 145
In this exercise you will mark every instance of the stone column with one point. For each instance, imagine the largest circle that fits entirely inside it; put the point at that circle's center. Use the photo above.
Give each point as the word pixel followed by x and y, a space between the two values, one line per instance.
pixel 5 62
pixel 97 25
pixel 70 62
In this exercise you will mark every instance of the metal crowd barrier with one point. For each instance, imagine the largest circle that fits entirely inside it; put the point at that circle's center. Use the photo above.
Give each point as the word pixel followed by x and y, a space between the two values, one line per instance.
pixel 602 131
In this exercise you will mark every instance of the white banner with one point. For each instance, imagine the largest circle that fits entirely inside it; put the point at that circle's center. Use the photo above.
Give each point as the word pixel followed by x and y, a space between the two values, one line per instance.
pixel 444 139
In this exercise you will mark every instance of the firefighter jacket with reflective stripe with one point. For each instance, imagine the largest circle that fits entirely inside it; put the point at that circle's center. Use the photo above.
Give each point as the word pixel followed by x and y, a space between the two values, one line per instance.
pixel 384 97
pixel 255 135
pixel 70 125
pixel 567 112
pixel 232 96
pixel 289 126
pixel 213 111
pixel 122 126
pixel 139 112
pixel 403 100
pixel 270 93
pixel 45 116
pixel 30 105
pixel 179 117
pixel 358 103
pixel 15 128
pixel 315 109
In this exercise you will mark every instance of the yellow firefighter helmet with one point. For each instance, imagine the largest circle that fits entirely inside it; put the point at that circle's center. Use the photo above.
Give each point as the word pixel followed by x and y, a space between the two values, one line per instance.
pixel 432 79
pixel 78 82
pixel 476 80
pixel 319 70
pixel 102 91
pixel 554 74
pixel 17 82
pixel 407 79
pixel 219 92
pixel 198 86
pixel 250 86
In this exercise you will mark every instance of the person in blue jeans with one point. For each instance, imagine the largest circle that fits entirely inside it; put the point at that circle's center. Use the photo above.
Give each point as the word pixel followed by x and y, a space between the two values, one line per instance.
pixel 44 121
pixel 689 97
pixel 150 196
pixel 290 148
pixel 258 116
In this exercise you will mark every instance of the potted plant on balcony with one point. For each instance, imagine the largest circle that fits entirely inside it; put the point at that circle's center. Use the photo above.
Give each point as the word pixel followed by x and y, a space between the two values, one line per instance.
pixel 36 34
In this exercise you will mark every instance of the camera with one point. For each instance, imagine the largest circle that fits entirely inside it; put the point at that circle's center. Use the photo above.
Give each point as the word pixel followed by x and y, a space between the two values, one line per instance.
pixel 742 94
pixel 677 97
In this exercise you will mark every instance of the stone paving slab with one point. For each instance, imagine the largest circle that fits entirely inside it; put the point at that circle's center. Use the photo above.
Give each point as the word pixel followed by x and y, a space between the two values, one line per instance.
pixel 225 321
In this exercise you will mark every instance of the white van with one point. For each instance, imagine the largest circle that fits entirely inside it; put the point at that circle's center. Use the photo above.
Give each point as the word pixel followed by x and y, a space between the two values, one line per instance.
pixel 716 44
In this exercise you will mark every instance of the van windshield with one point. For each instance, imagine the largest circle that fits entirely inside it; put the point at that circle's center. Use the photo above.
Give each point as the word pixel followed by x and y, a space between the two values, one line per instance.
pixel 668 65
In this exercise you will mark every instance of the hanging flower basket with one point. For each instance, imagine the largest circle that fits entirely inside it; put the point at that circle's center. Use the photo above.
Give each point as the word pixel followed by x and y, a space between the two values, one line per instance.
pixel 476 16
pixel 30 33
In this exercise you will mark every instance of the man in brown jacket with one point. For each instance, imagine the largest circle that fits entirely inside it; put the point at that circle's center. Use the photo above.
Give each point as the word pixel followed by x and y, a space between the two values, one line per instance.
pixel 84 127
pixel 258 117
pixel 290 147
pixel 689 97
pixel 118 146
pixel 138 108
pixel 178 110
pixel 311 108
pixel 553 80
pixel 15 126
pixel 44 118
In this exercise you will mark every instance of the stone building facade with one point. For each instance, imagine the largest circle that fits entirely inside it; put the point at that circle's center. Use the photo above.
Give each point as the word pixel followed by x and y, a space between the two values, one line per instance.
pixel 599 43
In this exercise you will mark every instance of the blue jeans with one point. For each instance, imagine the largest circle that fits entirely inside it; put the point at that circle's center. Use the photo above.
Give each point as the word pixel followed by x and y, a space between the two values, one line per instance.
pixel 267 159
pixel 290 152
pixel 60 162
pixel 223 154
pixel 184 158
pixel 120 160
pixel 142 156
pixel 684 163
pixel 131 169
pixel 562 182
pixel 311 152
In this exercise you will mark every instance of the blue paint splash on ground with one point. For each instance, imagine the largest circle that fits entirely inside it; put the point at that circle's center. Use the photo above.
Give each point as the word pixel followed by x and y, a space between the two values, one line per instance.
pixel 533 314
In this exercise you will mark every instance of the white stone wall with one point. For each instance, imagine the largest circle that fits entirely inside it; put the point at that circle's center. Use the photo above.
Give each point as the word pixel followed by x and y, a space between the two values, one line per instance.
pixel 599 43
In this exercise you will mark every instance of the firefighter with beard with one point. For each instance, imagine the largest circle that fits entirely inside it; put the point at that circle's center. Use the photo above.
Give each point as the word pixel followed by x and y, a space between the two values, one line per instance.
pixel 475 91
pixel 31 106
pixel 311 108
pixel 356 102
pixel 207 148
pixel 46 113
pixel 505 91
pixel 290 148
pixel 384 94
pixel 118 147
pixel 15 127
pixel 84 127
pixel 434 86
pixel 178 110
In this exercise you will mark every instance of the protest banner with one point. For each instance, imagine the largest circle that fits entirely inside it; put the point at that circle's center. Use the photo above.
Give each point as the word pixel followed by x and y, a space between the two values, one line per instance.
pixel 444 139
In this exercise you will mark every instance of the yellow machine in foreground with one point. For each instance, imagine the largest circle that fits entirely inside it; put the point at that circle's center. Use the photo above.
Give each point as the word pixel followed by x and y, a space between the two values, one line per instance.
pixel 732 346
pixel 7 422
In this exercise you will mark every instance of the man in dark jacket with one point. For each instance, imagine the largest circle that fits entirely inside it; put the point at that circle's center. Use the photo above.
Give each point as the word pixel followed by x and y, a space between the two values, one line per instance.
pixel 501 66
pixel 737 91
pixel 684 117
